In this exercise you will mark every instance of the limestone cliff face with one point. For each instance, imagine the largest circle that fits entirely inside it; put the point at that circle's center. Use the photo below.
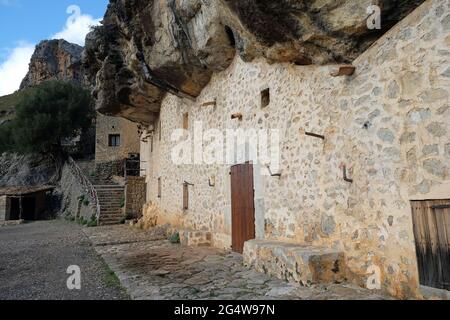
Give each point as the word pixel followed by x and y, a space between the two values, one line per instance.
pixel 55 60
pixel 147 48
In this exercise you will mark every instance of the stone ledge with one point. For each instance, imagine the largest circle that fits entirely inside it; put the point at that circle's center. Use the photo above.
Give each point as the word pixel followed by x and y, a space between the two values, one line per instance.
pixel 295 263
pixel 429 293
pixel 195 238
pixel 8 223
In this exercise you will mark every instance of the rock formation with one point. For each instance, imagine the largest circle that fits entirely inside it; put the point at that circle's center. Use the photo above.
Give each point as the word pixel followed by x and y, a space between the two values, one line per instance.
pixel 55 60
pixel 147 48
pixel 28 170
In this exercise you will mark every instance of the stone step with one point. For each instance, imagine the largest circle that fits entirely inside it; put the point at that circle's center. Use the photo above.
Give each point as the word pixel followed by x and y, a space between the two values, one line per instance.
pixel 109 187
pixel 115 213
pixel 111 217
pixel 111 198
pixel 111 211
pixel 296 263
pixel 109 223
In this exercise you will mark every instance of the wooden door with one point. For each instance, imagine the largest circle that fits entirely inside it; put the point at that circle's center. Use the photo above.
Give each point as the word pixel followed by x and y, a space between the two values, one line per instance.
pixel 243 206
pixel 431 221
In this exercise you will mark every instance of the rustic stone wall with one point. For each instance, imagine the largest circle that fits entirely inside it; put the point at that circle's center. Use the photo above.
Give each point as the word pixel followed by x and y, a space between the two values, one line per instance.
pixel 129 138
pixel 388 124
pixel 72 194
pixel 4 208
pixel 135 196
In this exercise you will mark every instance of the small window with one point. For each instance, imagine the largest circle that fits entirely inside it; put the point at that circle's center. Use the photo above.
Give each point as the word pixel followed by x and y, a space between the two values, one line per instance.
pixel 186 121
pixel 159 188
pixel 265 98
pixel 114 140
pixel 151 144
pixel 185 196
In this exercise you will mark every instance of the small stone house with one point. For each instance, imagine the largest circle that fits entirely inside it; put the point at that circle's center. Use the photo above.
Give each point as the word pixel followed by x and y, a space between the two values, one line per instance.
pixel 23 203
pixel 116 139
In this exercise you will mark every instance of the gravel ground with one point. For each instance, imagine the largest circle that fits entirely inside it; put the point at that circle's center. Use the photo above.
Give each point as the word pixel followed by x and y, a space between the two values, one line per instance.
pixel 34 258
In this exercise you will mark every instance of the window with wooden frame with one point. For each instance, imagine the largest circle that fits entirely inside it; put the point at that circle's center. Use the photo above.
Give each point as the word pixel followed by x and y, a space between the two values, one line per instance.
pixel 114 140
pixel 431 224
pixel 151 144
pixel 159 188
pixel 186 121
pixel 160 130
pixel 185 196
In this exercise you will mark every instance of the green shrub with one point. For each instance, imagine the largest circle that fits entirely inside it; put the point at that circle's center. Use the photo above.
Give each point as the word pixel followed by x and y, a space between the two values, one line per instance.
pixel 45 116
pixel 92 222
pixel 175 238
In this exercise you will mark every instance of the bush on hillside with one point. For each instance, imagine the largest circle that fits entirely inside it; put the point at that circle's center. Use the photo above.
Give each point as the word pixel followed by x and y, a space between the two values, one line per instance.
pixel 54 111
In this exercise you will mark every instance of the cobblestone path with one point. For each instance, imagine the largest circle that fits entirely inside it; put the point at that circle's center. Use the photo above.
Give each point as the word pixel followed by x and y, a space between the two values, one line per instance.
pixel 150 267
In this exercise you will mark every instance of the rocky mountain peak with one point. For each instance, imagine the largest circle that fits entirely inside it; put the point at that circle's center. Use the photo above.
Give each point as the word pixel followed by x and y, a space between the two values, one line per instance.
pixel 55 60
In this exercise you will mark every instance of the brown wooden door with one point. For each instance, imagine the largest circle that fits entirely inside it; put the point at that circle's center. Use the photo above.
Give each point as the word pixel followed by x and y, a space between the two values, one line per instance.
pixel 243 206
pixel 431 221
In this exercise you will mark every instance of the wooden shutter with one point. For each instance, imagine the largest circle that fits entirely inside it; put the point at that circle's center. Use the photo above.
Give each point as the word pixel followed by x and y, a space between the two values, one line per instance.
pixel 159 188
pixel 160 130
pixel 186 121
pixel 185 196
pixel 431 222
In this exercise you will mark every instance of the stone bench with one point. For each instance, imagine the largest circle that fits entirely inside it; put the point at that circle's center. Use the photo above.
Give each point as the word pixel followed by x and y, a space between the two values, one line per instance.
pixel 295 263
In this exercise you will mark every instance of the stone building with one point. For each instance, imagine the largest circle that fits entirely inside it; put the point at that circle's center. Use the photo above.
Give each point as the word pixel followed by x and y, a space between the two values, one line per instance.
pixel 355 160
pixel 388 124
pixel 116 138
pixel 24 203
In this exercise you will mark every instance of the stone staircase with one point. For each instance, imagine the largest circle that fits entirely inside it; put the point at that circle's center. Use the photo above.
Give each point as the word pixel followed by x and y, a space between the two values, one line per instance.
pixel 110 194
pixel 111 198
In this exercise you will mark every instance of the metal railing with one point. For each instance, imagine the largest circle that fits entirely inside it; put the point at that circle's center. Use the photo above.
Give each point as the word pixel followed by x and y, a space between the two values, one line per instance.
pixel 87 186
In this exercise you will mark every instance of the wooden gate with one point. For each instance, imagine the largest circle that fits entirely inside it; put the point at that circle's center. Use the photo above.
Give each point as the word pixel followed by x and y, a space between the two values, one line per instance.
pixel 431 221
pixel 243 206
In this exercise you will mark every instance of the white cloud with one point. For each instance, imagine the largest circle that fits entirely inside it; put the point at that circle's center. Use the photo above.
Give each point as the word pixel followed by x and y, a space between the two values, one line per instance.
pixel 15 67
pixel 77 26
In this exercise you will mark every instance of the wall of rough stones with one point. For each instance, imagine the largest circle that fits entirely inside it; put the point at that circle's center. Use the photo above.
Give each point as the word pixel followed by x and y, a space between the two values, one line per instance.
pixel 129 136
pixel 388 124
pixel 135 196
pixel 72 191
pixel 4 208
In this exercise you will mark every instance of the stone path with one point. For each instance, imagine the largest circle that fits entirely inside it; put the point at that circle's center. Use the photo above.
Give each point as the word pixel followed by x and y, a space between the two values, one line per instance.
pixel 152 268
pixel 34 258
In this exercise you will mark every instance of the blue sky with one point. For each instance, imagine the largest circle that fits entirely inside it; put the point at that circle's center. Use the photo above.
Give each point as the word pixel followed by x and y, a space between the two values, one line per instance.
pixel 23 23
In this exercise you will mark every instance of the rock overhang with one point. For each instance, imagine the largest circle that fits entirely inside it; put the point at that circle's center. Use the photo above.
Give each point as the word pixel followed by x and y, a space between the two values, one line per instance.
pixel 146 49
